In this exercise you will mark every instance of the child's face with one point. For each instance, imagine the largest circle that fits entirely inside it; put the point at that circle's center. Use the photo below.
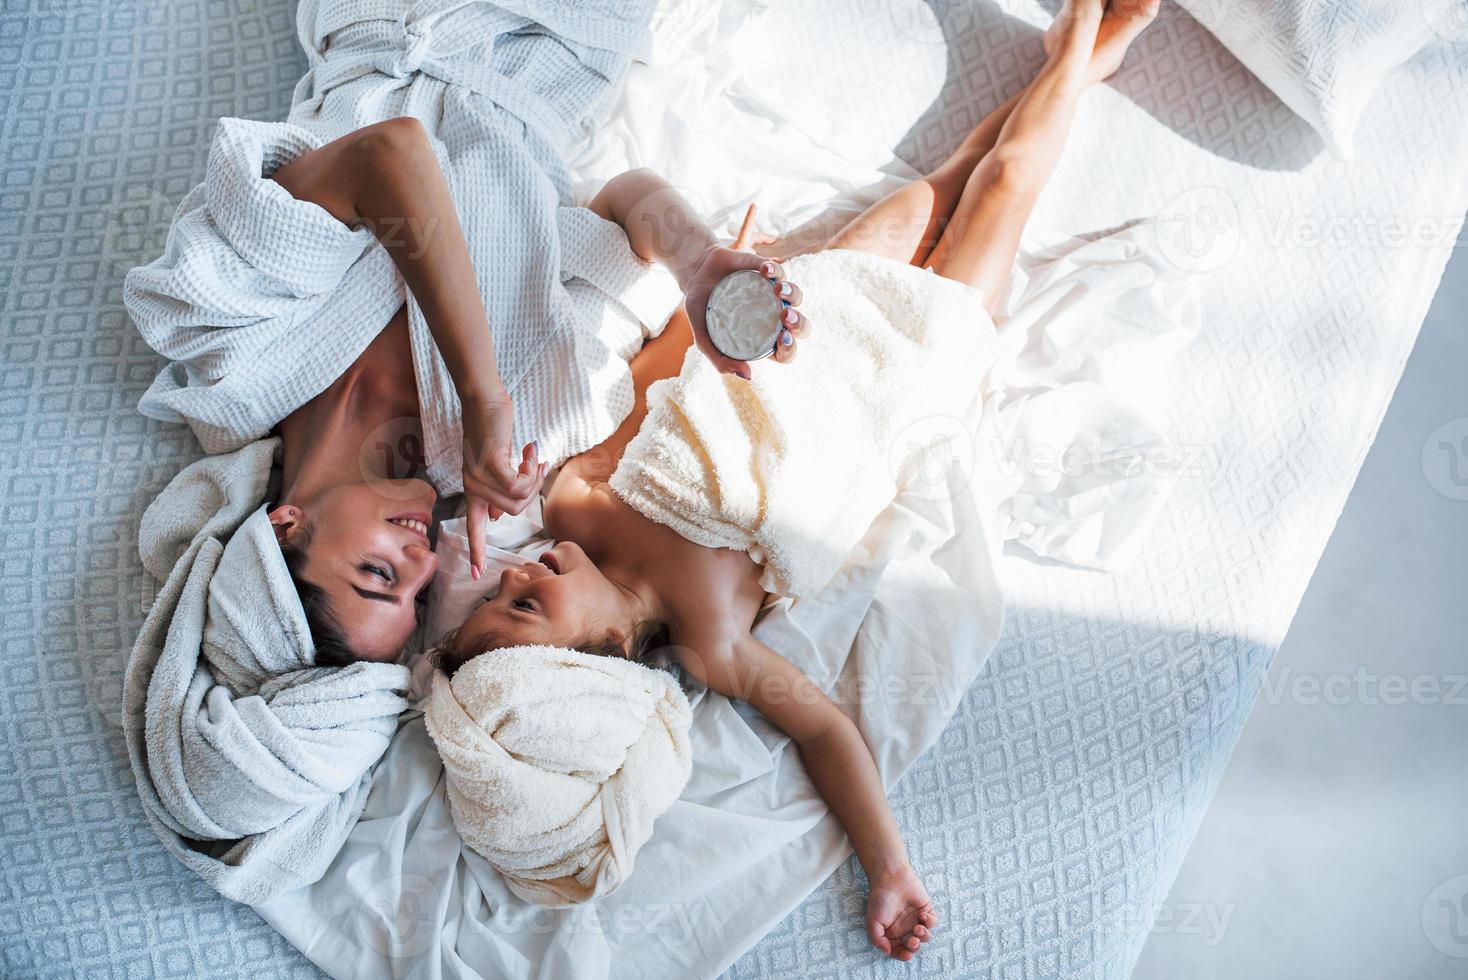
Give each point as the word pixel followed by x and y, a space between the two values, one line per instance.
pixel 564 600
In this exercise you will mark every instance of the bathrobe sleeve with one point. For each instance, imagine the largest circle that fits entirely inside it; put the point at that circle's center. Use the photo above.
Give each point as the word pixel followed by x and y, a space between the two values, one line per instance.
pixel 260 300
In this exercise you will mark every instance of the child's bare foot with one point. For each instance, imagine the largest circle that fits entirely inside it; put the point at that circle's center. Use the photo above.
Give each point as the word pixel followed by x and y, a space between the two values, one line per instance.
pixel 1122 22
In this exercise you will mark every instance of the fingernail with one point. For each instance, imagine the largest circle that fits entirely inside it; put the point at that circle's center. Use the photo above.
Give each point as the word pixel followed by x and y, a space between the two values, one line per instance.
pixel 535 447
pixel 789 316
pixel 474 572
pixel 785 289
pixel 787 338
pixel 544 469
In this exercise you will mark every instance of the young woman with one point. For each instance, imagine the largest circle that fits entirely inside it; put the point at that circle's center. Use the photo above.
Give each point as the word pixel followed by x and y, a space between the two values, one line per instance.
pixel 622 584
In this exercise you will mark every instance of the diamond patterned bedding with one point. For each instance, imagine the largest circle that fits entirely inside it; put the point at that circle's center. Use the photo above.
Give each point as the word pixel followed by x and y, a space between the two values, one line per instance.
pixel 1054 812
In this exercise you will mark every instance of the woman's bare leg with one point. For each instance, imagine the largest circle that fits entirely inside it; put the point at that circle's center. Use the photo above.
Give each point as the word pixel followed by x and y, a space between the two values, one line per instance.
pixel 979 243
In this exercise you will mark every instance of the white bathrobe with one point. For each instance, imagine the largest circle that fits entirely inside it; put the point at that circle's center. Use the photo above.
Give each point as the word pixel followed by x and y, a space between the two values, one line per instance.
pixel 260 301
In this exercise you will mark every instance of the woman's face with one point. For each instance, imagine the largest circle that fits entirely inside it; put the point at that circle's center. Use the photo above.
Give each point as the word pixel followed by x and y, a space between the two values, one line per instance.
pixel 562 600
pixel 369 551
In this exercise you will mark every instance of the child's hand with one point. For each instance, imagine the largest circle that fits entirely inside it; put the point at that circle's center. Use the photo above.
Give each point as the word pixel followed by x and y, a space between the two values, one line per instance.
pixel 900 916
pixel 711 267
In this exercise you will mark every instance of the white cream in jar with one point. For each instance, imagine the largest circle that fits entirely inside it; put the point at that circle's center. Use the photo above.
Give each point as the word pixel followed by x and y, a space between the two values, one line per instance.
pixel 744 316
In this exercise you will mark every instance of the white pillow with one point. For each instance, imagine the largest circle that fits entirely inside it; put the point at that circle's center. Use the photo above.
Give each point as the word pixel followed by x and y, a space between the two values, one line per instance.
pixel 1325 58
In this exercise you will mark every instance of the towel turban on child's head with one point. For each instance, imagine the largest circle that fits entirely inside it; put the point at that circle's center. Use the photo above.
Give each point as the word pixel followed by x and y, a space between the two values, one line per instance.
pixel 558 763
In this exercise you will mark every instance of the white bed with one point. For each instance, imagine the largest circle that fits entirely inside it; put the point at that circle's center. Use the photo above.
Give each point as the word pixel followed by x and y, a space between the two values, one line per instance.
pixel 1052 813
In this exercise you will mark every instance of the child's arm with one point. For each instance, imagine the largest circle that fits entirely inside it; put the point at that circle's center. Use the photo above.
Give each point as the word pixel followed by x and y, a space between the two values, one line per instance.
pixel 662 357
pixel 900 916
pixel 662 227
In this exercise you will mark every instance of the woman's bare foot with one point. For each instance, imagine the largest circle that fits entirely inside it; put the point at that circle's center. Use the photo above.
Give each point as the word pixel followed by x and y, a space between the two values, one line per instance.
pixel 1120 25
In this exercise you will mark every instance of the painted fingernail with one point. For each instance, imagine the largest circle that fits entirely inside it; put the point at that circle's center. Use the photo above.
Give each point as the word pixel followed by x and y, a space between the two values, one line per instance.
pixel 789 316
pixel 544 469
pixel 787 338
pixel 474 572
pixel 785 289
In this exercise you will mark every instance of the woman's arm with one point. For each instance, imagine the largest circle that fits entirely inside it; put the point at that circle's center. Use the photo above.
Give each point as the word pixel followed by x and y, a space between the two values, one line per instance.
pixel 900 916
pixel 662 227
pixel 385 177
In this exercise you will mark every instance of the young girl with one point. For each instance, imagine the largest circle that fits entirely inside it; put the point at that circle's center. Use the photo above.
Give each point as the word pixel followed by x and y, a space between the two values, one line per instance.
pixel 622 583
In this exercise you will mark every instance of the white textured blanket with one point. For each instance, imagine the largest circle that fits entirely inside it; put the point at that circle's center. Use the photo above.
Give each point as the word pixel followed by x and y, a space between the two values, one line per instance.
pixel 261 301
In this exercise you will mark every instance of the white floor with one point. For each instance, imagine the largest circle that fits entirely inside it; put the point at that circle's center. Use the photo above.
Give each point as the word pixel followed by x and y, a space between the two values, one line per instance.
pixel 1337 844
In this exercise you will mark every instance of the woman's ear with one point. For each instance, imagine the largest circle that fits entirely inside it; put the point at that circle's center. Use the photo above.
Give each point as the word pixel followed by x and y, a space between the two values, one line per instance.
pixel 287 519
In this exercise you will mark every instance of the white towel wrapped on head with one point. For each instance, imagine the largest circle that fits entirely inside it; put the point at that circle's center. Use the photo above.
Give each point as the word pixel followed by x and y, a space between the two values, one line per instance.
pixel 251 761
pixel 558 763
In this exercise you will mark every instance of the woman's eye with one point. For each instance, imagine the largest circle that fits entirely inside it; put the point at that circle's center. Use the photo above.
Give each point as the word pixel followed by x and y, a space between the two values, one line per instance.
pixel 524 604
pixel 377 570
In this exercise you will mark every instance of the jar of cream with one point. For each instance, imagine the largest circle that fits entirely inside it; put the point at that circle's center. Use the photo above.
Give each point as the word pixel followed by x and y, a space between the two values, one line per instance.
pixel 743 316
